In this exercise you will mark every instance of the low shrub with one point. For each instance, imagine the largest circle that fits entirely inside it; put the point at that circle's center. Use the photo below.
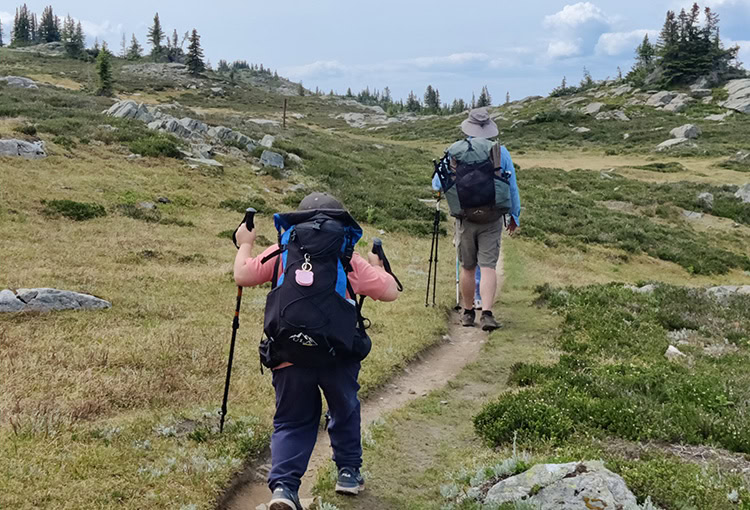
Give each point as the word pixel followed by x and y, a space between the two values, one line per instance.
pixel 665 168
pixel 155 146
pixel 241 205
pixel 78 211
pixel 26 129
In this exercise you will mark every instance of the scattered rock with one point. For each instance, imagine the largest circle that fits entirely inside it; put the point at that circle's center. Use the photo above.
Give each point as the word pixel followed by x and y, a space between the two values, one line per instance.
pixel 569 486
pixel 148 206
pixel 674 354
pixel 706 199
pixel 719 117
pixel 707 100
pixel 646 289
pixel 205 162
pixel 744 193
pixel 519 123
pixel 163 200
pixel 741 157
pixel 622 90
pixel 217 91
pixel 571 102
pixel 581 130
pixel 723 292
pixel 592 109
pixel 202 150
pixel 22 148
pixel 267 141
pixel 265 122
pixel 692 215
pixel 19 82
pixel 274 159
pixel 46 300
pixel 294 158
pixel 672 142
pixel 626 136
pixel 739 95
pixel 613 115
pixel 678 103
pixel 688 131
pixel 662 98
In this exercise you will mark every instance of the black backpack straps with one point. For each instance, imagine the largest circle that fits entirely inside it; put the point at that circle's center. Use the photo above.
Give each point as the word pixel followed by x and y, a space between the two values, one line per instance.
pixel 363 322
pixel 275 279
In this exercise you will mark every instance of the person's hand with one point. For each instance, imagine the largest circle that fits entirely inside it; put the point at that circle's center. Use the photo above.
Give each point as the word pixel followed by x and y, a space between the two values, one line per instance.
pixel 374 260
pixel 244 236
pixel 512 227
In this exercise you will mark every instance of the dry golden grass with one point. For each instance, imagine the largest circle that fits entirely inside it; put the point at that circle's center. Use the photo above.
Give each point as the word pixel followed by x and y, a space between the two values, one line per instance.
pixel 57 81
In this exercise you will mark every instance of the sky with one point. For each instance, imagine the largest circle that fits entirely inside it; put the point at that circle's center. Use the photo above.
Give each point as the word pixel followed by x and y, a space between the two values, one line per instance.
pixel 520 48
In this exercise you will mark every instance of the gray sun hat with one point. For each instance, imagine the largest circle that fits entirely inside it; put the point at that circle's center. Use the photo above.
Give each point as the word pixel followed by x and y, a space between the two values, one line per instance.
pixel 479 124
pixel 319 201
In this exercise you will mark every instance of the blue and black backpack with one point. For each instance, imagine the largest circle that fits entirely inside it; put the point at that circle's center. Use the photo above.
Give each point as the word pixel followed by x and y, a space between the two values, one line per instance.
pixel 309 320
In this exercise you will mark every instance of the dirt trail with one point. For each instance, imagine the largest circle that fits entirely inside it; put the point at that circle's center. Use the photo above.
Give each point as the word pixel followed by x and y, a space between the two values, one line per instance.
pixel 433 370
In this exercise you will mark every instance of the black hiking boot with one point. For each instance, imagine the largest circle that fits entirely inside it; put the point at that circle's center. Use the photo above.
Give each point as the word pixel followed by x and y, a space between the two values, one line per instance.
pixel 284 498
pixel 488 322
pixel 468 318
pixel 350 482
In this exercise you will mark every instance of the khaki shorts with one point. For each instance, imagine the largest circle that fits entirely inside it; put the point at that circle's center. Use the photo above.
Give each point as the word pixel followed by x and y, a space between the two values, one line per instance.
pixel 478 243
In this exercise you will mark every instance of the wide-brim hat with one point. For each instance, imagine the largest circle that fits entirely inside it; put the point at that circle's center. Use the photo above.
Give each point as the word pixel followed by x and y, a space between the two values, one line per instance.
pixel 319 201
pixel 479 124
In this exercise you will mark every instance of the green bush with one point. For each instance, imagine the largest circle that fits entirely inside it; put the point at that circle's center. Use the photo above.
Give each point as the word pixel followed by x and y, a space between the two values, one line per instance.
pixel 26 129
pixel 155 146
pixel 78 211
pixel 241 205
pixel 64 141
pixel 667 168
pixel 613 380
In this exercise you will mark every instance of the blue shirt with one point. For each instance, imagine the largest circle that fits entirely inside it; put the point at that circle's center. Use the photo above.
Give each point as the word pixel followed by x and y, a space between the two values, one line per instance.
pixel 506 165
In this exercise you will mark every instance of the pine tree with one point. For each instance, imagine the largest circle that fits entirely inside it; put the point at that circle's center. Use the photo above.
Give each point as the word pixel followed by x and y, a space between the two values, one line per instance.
pixel 412 103
pixel 432 99
pixel 507 97
pixel 97 48
pixel 300 89
pixel 104 72
pixel 22 35
pixel 222 66
pixel 1 34
pixel 134 51
pixel 49 28
pixel 473 101
pixel 155 37
pixel 349 92
pixel 194 59
pixel 33 29
pixel 79 40
pixel 485 99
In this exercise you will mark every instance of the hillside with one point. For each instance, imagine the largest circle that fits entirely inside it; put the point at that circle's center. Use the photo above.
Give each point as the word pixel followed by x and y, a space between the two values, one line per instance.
pixel 117 407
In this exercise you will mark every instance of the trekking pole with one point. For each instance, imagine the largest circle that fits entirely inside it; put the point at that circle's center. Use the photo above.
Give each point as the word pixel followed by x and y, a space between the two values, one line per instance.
pixel 429 270
pixel 432 271
pixel 248 221
pixel 437 240
pixel 377 249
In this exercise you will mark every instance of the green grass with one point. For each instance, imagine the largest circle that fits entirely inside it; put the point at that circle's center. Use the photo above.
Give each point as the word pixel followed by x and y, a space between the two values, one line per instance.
pixel 665 168
pixel 561 207
pixel 78 211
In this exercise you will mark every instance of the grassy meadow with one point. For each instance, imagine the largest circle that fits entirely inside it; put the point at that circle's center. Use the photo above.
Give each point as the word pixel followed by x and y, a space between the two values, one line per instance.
pixel 118 408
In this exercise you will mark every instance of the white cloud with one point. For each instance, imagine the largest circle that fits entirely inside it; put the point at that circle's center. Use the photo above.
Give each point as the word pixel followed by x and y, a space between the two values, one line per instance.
pixel 454 59
pixel 320 68
pixel 618 43
pixel 573 16
pixel 564 49
pixel 575 30
pixel 103 29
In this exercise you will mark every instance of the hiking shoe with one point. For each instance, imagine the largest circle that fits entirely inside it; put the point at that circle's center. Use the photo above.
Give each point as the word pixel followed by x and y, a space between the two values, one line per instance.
pixel 468 318
pixel 284 498
pixel 350 482
pixel 488 322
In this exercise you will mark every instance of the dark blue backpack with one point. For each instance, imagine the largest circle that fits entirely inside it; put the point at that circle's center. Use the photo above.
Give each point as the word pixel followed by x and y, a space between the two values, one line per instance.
pixel 309 320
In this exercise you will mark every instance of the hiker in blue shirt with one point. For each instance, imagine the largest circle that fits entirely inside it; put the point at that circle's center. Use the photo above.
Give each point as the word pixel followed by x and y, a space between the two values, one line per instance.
pixel 478 244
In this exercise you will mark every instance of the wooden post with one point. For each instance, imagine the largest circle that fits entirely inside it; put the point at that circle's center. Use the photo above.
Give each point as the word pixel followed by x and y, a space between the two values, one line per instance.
pixel 284 124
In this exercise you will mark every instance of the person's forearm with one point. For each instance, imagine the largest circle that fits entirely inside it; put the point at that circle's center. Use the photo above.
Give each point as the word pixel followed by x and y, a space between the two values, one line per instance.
pixel 241 271
pixel 391 292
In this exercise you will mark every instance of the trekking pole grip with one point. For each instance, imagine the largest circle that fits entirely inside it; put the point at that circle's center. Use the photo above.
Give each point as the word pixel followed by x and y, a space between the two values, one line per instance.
pixel 248 220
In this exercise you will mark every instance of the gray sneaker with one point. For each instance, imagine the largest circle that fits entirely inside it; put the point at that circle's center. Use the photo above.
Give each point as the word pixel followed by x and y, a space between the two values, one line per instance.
pixel 350 482
pixel 468 318
pixel 488 322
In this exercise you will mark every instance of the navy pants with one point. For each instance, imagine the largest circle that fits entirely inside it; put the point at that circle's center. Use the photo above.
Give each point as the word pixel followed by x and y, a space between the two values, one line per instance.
pixel 297 418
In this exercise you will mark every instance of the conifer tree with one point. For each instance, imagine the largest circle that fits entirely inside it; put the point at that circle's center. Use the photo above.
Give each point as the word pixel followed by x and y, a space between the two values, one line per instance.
pixel 223 66
pixel 484 98
pixel 33 29
pixel 79 39
pixel 432 99
pixel 1 34
pixel 412 103
pixel 22 35
pixel 155 37
pixel 300 89
pixel 507 97
pixel 135 51
pixel 123 46
pixel 104 72
pixel 194 59
pixel 349 92
pixel 49 28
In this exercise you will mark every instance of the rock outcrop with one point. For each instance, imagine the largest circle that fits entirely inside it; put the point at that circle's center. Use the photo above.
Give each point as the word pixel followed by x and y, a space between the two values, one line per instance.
pixel 688 131
pixel 571 486
pixel 744 193
pixel 19 82
pixel 22 148
pixel 739 95
pixel 47 300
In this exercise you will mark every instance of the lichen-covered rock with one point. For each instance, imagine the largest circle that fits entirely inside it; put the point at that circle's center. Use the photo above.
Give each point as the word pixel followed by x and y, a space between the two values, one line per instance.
pixel 270 158
pixel 267 141
pixel 662 98
pixel 706 199
pixel 22 148
pixel 19 82
pixel 688 131
pixel 739 95
pixel 572 486
pixel 744 193
pixel 46 300
pixel 592 109
pixel 672 142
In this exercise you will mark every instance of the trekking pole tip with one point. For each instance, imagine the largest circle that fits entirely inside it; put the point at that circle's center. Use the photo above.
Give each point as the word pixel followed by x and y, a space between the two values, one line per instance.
pixel 376 241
